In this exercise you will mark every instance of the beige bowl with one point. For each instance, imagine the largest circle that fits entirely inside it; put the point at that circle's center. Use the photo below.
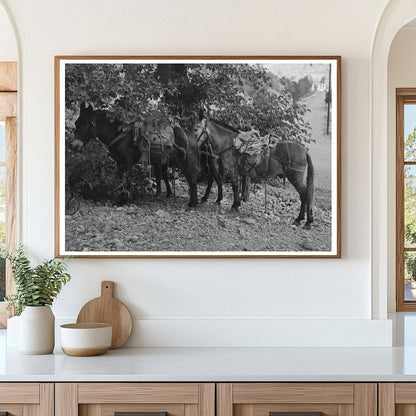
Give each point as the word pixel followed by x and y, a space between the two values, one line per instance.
pixel 83 340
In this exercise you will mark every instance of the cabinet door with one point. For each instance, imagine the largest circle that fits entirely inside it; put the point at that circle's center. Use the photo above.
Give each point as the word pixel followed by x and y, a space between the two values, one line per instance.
pixel 142 399
pixel 26 399
pixel 297 399
pixel 397 399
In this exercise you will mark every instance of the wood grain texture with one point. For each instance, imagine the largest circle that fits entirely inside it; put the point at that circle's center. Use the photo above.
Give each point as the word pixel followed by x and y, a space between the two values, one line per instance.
pixel 346 410
pixel 25 393
pixel 31 410
pixel 109 310
pixel 207 399
pixel 265 409
pixel 138 393
pixel 8 105
pixel 365 399
pixel 386 399
pixel 405 393
pixel 11 207
pixel 405 410
pixel 11 196
pixel 8 76
pixel 84 352
pixel 110 409
pixel 90 410
pixel 224 399
pixel 400 304
pixel 13 409
pixel 190 410
pixel 47 399
pixel 66 399
pixel 57 166
pixel 340 393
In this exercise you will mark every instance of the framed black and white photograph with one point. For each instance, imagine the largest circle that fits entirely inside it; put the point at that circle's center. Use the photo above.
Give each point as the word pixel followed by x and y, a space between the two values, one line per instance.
pixel 198 156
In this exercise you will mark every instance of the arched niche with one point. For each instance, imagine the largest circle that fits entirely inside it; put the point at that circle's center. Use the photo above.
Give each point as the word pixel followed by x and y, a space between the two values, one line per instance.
pixel 397 14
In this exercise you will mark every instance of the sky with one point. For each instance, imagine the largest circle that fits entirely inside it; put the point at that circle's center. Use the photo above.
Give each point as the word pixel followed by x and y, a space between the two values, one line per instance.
pixel 409 119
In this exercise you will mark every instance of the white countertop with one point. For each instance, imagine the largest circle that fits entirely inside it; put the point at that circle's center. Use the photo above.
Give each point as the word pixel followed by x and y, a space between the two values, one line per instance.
pixel 215 364
pixel 221 364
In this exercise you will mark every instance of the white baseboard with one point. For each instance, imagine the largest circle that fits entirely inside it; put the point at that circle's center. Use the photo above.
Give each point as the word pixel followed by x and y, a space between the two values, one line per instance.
pixel 189 332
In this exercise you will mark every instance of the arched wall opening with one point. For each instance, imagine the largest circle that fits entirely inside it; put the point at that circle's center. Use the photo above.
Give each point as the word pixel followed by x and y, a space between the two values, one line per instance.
pixel 396 15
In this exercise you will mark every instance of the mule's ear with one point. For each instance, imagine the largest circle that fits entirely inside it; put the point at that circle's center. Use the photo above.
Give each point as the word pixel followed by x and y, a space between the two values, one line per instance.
pixel 90 108
pixel 83 106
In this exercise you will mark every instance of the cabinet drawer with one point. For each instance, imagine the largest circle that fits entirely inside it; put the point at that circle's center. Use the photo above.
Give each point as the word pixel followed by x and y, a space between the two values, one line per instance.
pixel 145 399
pixel 297 399
pixel 397 399
pixel 21 399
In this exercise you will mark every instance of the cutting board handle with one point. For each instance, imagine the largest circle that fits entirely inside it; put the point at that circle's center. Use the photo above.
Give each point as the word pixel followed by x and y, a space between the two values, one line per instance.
pixel 107 288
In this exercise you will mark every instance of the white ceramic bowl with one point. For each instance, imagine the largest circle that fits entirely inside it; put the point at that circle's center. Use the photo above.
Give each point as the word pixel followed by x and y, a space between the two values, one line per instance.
pixel 84 340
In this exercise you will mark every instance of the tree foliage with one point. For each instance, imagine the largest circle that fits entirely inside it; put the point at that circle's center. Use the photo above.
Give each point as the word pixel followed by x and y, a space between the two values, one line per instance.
pixel 410 191
pixel 238 94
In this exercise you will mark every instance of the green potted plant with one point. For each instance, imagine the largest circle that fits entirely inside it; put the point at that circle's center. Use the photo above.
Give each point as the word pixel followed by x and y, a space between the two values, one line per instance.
pixel 36 289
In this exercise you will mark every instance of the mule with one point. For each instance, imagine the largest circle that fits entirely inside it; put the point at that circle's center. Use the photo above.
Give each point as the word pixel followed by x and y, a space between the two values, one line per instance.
pixel 219 138
pixel 287 160
pixel 121 145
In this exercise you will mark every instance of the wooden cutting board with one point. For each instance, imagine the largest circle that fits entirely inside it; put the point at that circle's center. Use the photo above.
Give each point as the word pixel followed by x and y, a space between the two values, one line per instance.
pixel 108 310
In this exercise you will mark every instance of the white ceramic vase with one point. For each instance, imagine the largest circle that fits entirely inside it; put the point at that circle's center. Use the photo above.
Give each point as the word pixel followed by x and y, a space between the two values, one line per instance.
pixel 37 330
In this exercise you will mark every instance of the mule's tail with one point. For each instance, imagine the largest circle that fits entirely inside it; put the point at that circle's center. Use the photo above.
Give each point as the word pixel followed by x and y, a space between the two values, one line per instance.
pixel 310 181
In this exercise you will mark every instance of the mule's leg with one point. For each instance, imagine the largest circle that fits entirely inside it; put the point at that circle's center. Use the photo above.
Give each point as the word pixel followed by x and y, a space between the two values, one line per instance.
pixel 164 169
pixel 158 176
pixel 245 191
pixel 219 180
pixel 210 180
pixel 234 185
pixel 193 194
pixel 309 218
pixel 301 215
pixel 296 179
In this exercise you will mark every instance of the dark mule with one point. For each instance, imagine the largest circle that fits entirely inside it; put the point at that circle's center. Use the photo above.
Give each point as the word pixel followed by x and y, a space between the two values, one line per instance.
pixel 157 141
pixel 218 138
pixel 121 145
pixel 91 124
pixel 287 160
pixel 187 160
pixel 177 147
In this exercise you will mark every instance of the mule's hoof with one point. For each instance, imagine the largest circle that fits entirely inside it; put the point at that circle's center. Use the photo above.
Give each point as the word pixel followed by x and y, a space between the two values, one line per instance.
pixel 218 201
pixel 157 194
pixel 307 226
pixel 296 222
pixel 168 196
pixel 204 200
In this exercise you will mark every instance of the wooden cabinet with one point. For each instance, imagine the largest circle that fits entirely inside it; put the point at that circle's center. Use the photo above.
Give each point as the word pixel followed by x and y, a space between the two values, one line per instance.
pixel 27 399
pixel 208 399
pixel 397 399
pixel 264 399
pixel 108 399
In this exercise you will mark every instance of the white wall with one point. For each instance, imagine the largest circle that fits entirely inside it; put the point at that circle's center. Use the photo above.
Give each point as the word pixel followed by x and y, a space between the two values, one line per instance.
pixel 8 47
pixel 275 302
pixel 401 74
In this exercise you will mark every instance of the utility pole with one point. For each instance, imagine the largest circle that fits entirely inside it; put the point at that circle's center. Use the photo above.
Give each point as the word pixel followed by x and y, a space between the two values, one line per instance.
pixel 328 101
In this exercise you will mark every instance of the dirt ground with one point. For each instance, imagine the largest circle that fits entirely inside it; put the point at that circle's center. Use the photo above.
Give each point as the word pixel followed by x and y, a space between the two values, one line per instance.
pixel 160 224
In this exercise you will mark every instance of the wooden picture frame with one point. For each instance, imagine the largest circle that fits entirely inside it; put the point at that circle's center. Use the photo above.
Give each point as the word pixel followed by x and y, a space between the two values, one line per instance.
pixel 188 111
